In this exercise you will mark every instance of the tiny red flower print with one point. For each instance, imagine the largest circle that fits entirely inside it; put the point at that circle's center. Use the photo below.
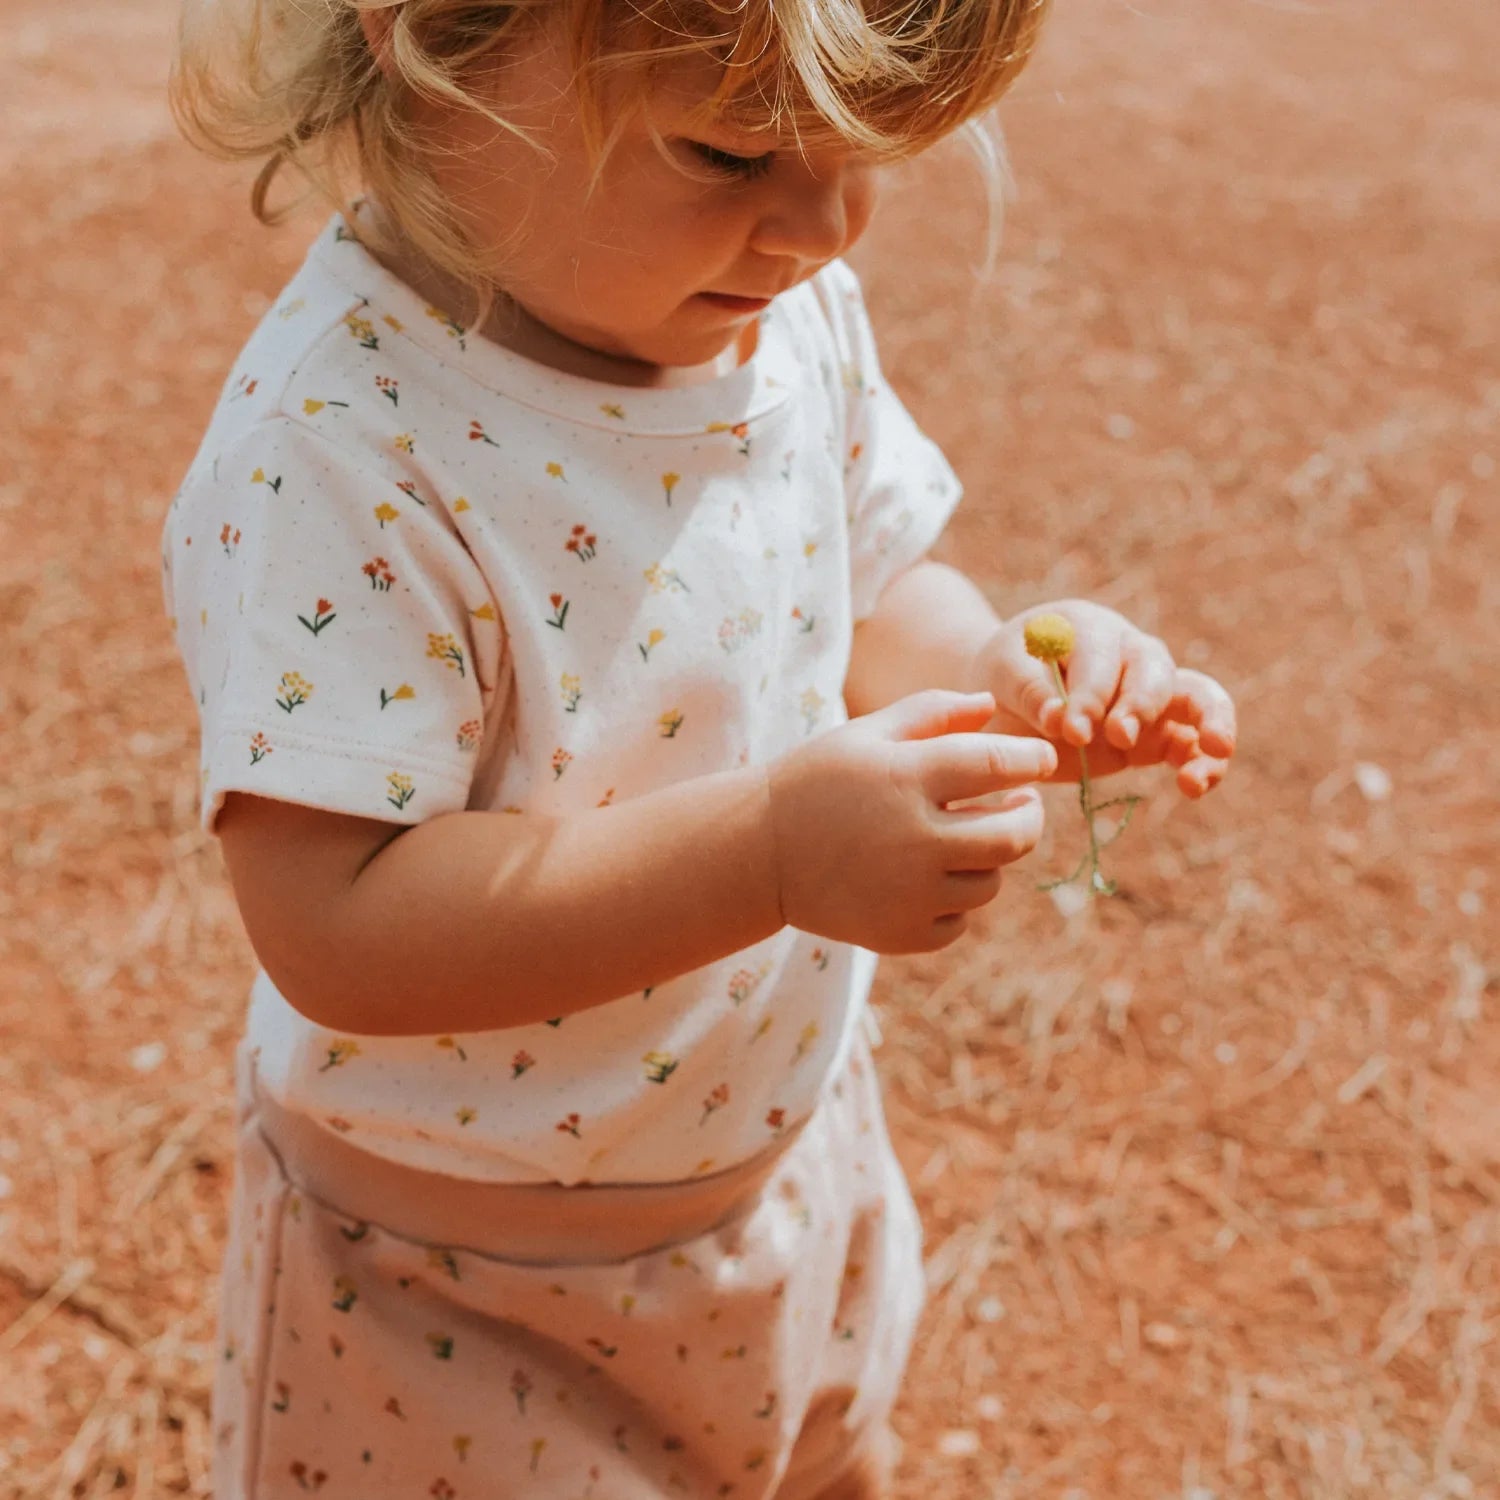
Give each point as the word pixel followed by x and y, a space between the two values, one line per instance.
pixel 283 1399
pixel 768 1407
pixel 441 1345
pixel 390 389
pixel 323 615
pixel 346 1294
pixel 446 650
pixel 581 542
pixel 653 639
pixel 244 386
pixel 606 799
pixel 393 1407
pixel 559 611
pixel 477 434
pixel 571 693
pixel 736 630
pixel 560 760
pixel 340 1053
pixel 812 707
pixel 362 330
pixel 403 442
pixel 440 1489
pixel 776 1119
pixel 786 464
pixel 384 512
pixel 715 1101
pixel 743 983
pixel 229 541
pixel 569 1126
pixel 259 477
pixel 336 1344
pixel 408 487
pixel 740 431
pixel 465 1114
pixel 260 747
pixel 520 1386
pixel 338 1123
pixel 670 722
pixel 400 790
pixel 401 695
pixel 295 690
pixel 519 1064
pixel 378 571
pixel 314 1480
pixel 669 482
pixel 819 959
pixel 607 1350
pixel 453 1045
pixel 805 622
pixel 555 471
pixel 659 1066
pixel 469 734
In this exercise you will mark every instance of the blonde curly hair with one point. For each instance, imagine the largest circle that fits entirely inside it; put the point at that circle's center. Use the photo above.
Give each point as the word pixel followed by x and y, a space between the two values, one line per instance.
pixel 294 83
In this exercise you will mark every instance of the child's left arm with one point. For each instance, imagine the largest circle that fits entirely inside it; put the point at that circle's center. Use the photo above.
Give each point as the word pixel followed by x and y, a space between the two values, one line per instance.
pixel 1128 700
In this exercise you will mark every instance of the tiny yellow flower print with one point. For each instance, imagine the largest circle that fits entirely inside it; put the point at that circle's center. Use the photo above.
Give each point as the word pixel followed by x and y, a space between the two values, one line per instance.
pixel 394 323
pixel 808 548
pixel 486 611
pixel 311 408
pixel 400 790
pixel 362 331
pixel 441 1345
pixel 520 1386
pixel 560 761
pixel 809 1036
pixel 571 693
pixel 653 639
pixel 717 1099
pixel 812 706
pixel 606 799
pixel 460 506
pixel 444 1260
pixel 581 542
pixel 706 1165
pixel 461 1445
pixel 453 1045
pixel 465 1115
pixel 669 483
pixel 569 1126
pixel 559 611
pixel 260 747
pixel 403 442
pixel 613 409
pixel 555 471
pixel 670 723
pixel 537 1447
pixel 346 1293
pixel 295 690
pixel 520 1063
pixel 755 1459
pixel 384 512
pixel 378 571
pixel 659 1066
pixel 259 477
pixel 390 389
pixel 477 434
pixel 446 650
pixel 738 430
pixel 762 1029
pixel 401 695
pixel 322 615
pixel 291 309
pixel 662 580
pixel 340 1053
pixel 454 330
pixel 1049 637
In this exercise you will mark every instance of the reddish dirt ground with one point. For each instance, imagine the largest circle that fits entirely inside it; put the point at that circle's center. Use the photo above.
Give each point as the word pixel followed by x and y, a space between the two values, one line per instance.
pixel 1210 1172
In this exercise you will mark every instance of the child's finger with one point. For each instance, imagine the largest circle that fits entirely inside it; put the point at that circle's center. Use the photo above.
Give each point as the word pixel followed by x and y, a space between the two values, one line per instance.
pixel 1093 678
pixel 1201 775
pixel 1205 705
pixel 1146 688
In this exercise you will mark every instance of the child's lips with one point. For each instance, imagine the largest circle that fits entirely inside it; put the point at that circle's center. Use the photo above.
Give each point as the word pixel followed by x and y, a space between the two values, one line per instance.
pixel 735 304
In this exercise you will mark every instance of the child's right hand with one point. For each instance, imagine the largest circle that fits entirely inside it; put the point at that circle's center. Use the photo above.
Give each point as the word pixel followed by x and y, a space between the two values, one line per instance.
pixel 866 850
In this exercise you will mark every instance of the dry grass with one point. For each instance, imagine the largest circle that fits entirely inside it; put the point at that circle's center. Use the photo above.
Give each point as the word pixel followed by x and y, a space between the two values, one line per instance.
pixel 1211 1173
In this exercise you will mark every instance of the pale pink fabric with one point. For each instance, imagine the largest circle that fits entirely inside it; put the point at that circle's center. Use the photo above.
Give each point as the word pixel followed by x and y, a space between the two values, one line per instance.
pixel 752 1361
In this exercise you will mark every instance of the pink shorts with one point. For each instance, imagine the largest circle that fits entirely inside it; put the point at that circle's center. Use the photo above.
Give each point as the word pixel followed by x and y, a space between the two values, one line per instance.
pixel 391 1351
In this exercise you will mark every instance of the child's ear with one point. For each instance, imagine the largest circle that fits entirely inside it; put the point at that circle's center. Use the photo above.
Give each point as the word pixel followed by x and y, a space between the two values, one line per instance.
pixel 377 26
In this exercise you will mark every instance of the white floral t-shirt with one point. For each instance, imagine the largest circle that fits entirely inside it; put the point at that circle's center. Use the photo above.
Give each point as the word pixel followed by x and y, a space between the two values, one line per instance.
pixel 413 573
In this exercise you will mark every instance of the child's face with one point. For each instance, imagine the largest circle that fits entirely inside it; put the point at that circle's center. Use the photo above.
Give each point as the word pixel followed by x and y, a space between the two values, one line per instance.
pixel 642 267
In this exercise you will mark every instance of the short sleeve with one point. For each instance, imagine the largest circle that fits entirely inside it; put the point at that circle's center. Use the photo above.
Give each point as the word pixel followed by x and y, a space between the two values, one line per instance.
pixel 340 641
pixel 900 490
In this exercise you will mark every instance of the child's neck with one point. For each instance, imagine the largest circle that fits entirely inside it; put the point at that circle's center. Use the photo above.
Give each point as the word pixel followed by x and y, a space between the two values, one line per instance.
pixel 513 328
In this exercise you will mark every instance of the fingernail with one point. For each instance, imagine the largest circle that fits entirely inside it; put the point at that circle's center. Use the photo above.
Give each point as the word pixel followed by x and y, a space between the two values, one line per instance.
pixel 1130 727
pixel 1081 725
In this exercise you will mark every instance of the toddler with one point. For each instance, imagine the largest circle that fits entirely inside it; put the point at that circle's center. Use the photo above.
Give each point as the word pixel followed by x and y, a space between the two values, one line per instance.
pixel 581 717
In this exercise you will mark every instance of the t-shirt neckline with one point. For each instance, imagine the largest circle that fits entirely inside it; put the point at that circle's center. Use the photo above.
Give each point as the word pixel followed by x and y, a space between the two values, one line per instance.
pixel 750 391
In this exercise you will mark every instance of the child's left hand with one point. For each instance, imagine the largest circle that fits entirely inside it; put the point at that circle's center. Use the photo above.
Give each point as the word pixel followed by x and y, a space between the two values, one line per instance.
pixel 1119 679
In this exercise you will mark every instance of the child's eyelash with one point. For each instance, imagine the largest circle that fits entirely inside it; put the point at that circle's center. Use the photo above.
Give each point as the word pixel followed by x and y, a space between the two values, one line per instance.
pixel 732 165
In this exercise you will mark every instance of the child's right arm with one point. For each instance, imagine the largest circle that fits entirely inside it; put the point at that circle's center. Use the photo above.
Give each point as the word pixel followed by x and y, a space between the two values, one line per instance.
pixel 473 921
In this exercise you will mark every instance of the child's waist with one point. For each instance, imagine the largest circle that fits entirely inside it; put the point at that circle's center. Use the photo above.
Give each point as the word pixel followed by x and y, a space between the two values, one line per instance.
pixel 543 1223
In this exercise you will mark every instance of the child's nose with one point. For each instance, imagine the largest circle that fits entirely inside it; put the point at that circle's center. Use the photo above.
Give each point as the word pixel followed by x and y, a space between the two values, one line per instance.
pixel 812 218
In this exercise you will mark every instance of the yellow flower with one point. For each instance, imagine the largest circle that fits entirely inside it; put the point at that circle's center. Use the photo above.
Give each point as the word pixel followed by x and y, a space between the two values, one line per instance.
pixel 1049 637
